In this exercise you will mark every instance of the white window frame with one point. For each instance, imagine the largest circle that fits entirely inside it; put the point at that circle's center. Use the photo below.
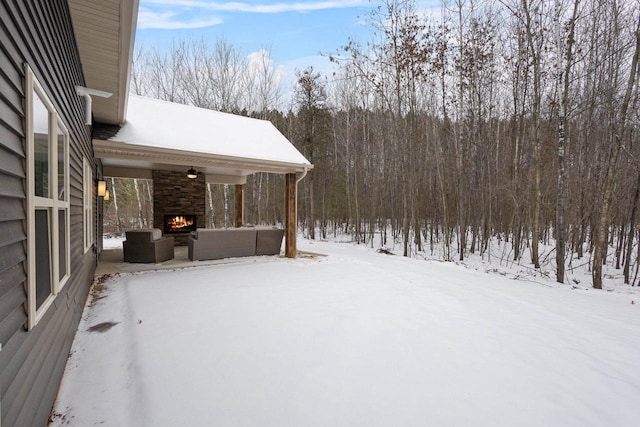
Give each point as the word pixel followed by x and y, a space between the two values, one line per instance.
pixel 52 203
pixel 87 204
pixel 66 206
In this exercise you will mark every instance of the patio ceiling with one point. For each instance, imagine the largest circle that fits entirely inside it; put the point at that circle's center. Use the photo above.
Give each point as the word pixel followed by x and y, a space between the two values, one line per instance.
pixel 160 135
pixel 120 160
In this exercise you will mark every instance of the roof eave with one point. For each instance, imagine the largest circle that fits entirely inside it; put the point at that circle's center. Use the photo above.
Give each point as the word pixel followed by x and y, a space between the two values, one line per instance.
pixel 126 60
pixel 105 36
pixel 114 151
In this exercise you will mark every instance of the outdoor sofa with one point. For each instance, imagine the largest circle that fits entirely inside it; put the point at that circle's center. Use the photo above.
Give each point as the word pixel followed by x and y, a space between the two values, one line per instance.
pixel 205 244
pixel 147 245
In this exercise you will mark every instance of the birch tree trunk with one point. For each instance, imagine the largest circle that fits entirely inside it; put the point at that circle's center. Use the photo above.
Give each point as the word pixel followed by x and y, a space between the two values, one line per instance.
pixel 212 223
pixel 149 210
pixel 458 144
pixel 137 188
pixel 115 206
pixel 226 205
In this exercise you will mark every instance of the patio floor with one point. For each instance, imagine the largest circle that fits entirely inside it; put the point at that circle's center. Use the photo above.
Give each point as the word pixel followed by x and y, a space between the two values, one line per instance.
pixel 111 261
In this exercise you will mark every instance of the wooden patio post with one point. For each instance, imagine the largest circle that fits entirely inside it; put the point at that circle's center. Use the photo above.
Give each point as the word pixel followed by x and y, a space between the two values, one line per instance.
pixel 239 205
pixel 290 216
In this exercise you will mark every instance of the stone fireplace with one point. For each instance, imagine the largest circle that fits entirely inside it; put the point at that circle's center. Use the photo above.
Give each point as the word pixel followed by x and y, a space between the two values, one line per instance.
pixel 178 204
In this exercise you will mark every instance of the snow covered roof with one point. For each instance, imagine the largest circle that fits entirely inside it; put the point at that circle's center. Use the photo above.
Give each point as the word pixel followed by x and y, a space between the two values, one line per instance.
pixel 165 135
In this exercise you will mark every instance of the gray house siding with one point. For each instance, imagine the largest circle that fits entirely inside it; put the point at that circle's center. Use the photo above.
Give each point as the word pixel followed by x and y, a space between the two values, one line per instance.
pixel 38 32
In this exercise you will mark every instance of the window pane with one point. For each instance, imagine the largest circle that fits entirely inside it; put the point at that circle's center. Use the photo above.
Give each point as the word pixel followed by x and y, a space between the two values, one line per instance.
pixel 88 204
pixel 40 147
pixel 62 150
pixel 62 243
pixel 43 257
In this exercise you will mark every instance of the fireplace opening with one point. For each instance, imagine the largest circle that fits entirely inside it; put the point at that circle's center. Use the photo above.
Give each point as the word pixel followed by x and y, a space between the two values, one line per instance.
pixel 179 223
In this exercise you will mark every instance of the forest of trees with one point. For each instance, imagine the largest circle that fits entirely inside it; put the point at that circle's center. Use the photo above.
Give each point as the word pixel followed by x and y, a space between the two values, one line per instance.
pixel 510 121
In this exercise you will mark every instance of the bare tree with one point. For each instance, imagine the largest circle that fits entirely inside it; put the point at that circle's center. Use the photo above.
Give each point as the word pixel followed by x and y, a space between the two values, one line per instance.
pixel 600 249
pixel 498 124
pixel 224 69
pixel 114 193
pixel 311 97
pixel 565 63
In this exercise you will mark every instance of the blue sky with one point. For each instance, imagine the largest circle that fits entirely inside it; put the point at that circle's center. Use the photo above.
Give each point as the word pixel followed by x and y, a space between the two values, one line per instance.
pixel 293 31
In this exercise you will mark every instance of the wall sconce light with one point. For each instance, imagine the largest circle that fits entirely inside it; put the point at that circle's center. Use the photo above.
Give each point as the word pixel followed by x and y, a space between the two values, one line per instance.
pixel 192 174
pixel 102 188
pixel 106 195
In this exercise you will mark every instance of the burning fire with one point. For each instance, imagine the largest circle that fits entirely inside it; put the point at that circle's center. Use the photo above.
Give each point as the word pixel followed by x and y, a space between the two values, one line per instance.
pixel 179 222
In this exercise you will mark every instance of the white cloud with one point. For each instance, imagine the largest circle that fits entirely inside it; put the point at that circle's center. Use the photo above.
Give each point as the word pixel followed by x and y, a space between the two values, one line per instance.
pixel 278 7
pixel 190 14
pixel 148 19
pixel 260 62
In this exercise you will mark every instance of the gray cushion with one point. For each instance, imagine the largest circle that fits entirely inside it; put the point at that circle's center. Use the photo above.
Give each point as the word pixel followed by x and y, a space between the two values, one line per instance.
pixel 144 235
pixel 207 243
pixel 269 240
pixel 222 243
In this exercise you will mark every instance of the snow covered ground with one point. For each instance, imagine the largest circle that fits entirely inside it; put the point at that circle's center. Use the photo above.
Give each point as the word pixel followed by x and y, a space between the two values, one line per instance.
pixel 355 338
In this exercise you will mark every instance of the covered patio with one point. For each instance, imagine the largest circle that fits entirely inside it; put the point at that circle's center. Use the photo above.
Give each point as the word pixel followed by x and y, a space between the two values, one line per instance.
pixel 163 141
pixel 136 137
pixel 111 261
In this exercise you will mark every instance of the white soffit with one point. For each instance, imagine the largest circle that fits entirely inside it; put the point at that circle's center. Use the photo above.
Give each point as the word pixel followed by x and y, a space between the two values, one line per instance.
pixel 105 32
